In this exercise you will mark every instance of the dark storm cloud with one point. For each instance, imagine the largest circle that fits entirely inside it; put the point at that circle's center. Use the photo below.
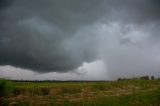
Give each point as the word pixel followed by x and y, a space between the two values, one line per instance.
pixel 39 34
pixel 57 35
pixel 5 3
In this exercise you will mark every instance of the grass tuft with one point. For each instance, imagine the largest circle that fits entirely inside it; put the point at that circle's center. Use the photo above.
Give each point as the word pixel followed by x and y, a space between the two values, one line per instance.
pixel 6 87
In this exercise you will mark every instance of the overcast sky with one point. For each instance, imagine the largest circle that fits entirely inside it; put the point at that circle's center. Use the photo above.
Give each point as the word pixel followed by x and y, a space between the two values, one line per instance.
pixel 79 39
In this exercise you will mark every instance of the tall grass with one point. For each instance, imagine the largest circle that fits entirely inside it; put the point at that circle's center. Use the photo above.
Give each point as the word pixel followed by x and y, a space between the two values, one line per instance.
pixel 151 98
pixel 136 99
pixel 6 87
pixel 135 92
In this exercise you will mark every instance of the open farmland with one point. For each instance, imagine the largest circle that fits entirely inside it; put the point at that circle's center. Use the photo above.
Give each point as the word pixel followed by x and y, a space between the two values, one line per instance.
pixel 128 92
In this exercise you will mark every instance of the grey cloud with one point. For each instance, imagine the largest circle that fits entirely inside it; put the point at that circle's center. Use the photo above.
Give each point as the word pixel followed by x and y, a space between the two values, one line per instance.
pixel 53 35
pixel 39 34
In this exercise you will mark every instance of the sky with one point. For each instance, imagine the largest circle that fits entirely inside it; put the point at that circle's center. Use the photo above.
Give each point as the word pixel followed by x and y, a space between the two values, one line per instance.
pixel 79 39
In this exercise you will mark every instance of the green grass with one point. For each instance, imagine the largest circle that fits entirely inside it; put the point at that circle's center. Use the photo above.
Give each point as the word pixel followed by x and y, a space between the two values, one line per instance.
pixel 151 98
pixel 6 87
pixel 135 92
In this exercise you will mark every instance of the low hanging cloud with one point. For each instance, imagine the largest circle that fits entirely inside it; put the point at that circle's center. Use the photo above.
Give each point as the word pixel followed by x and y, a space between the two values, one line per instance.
pixel 59 36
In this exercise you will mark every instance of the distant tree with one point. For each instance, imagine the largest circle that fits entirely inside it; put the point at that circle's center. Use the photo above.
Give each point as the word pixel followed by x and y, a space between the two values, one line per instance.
pixel 152 78
pixel 145 77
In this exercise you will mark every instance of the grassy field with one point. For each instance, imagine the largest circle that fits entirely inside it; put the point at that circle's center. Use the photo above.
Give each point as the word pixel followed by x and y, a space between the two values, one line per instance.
pixel 134 92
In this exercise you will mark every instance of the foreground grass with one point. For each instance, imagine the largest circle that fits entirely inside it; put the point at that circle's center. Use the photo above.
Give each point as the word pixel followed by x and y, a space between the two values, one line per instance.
pixel 136 99
pixel 135 92
pixel 6 87
pixel 150 98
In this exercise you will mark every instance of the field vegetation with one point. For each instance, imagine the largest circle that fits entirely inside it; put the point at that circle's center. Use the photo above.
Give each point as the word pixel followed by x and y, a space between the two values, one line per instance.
pixel 125 92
